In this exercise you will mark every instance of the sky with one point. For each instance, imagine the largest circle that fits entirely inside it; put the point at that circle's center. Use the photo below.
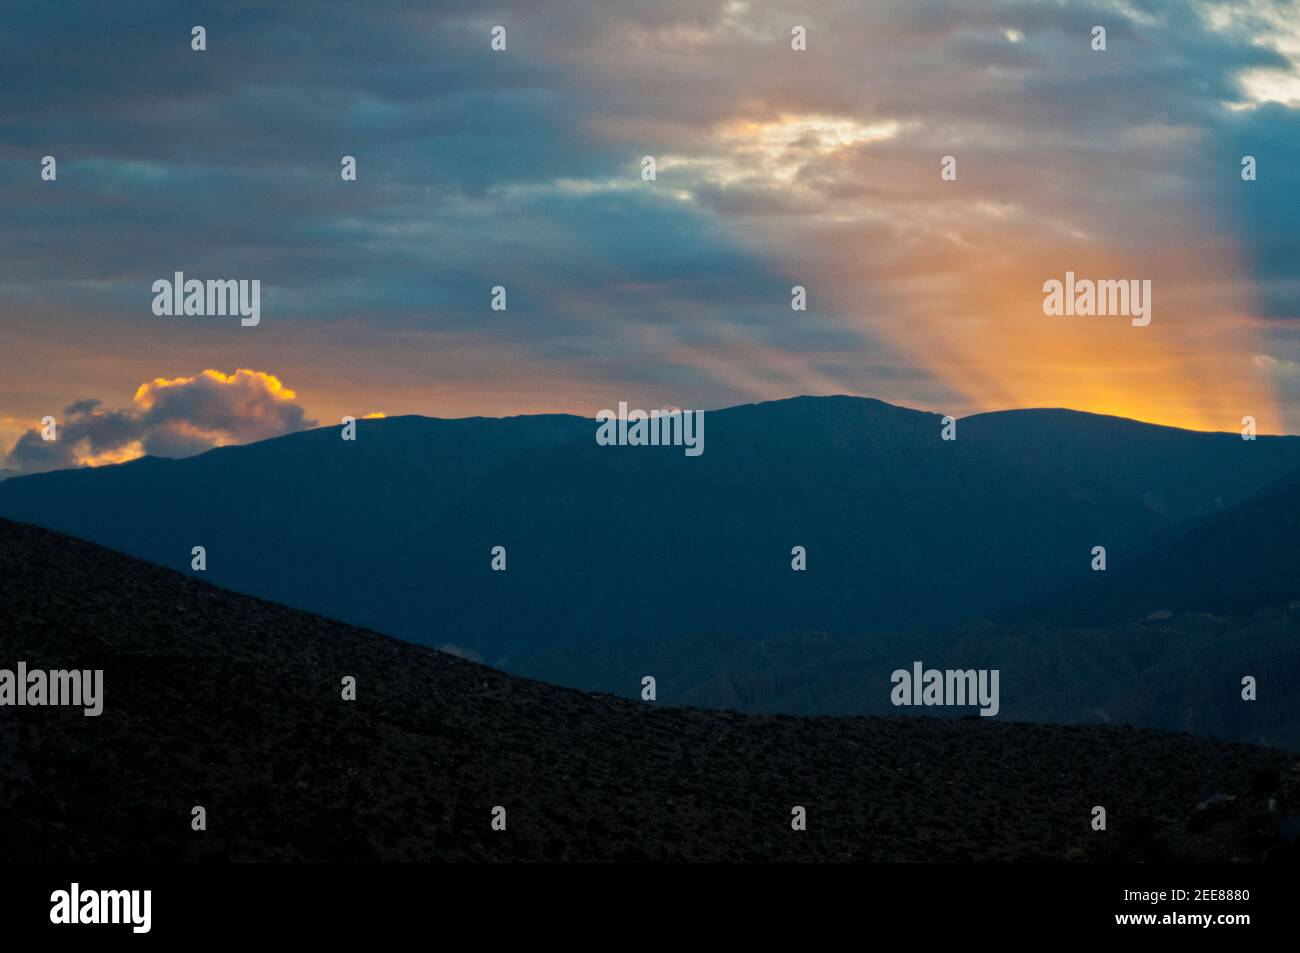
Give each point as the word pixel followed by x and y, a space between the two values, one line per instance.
pixel 522 168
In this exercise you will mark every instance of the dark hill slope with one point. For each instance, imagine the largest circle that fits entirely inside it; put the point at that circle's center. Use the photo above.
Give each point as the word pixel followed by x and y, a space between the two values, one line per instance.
pixel 221 700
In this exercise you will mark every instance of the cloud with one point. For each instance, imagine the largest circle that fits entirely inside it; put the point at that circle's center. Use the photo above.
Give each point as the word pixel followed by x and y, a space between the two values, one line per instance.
pixel 776 167
pixel 174 417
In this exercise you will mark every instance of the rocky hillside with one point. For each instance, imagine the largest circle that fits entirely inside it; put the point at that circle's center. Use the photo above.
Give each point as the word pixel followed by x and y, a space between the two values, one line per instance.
pixel 223 701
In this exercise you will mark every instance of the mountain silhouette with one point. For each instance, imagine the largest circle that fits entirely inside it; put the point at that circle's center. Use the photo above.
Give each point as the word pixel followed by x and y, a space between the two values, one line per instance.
pixel 1178 473
pixel 902 530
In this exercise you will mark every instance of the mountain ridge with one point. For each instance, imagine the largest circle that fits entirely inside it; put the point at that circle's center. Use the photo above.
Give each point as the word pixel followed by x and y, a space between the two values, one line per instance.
pixel 394 531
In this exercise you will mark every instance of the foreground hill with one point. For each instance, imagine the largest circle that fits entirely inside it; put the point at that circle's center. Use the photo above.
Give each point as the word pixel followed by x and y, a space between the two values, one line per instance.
pixel 224 701
pixel 902 529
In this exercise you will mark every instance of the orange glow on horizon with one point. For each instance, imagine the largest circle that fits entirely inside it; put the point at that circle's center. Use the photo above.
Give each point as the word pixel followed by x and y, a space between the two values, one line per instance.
pixel 984 335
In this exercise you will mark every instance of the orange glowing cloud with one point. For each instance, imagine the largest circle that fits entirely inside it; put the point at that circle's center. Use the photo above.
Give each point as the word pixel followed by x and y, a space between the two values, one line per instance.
pixel 171 417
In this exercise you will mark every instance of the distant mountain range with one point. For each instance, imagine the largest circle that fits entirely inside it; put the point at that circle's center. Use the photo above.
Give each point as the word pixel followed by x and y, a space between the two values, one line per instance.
pixel 1179 674
pixel 220 701
pixel 1234 561
pixel 623 557
pixel 902 529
